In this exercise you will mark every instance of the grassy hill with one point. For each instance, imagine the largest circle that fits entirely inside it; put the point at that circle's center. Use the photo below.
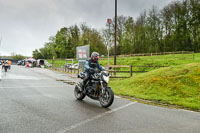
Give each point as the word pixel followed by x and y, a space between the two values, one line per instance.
pixel 179 85
pixel 163 60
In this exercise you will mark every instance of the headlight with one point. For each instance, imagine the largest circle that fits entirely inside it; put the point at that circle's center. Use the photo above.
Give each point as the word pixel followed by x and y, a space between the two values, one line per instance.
pixel 106 78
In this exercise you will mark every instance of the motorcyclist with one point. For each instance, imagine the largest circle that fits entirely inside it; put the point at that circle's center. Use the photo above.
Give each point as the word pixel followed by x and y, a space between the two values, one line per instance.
pixel 90 67
pixel 5 62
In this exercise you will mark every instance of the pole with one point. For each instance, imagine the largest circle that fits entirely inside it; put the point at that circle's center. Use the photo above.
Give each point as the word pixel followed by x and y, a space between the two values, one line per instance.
pixel 115 50
pixel 0 41
pixel 108 46
pixel 53 61
pixel 108 58
pixel 0 45
pixel 131 71
pixel 109 21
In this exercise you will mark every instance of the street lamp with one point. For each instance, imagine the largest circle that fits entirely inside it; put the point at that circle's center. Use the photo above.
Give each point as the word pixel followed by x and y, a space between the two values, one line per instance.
pixel 109 21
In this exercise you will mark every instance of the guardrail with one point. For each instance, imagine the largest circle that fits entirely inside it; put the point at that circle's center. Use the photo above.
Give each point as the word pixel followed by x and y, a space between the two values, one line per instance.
pixel 68 70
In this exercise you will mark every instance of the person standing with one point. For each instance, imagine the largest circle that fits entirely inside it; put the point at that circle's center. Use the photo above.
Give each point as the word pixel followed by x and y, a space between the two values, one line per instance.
pixel 9 64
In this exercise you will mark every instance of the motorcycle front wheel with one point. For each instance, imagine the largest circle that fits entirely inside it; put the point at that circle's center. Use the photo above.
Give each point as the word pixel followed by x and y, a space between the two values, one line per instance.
pixel 78 94
pixel 107 98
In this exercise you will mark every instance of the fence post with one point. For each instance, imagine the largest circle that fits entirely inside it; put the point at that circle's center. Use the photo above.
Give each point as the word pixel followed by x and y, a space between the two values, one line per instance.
pixel 193 55
pixel 182 55
pixel 131 71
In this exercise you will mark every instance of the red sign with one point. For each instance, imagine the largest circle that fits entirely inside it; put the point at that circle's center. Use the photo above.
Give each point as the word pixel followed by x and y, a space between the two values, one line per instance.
pixel 109 21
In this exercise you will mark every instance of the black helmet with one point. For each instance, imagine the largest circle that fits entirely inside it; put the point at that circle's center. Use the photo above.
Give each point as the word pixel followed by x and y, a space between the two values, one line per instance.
pixel 95 56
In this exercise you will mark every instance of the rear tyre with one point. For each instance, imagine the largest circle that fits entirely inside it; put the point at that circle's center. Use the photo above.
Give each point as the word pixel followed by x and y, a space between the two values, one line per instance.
pixel 78 93
pixel 107 99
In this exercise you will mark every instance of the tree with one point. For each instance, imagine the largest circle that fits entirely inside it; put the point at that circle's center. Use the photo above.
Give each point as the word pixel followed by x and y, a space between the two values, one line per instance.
pixel 18 57
pixel 128 44
pixel 37 54
pixel 93 38
pixel 176 27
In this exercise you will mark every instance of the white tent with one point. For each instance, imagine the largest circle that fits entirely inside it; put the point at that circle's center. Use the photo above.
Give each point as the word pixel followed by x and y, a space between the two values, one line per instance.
pixel 31 59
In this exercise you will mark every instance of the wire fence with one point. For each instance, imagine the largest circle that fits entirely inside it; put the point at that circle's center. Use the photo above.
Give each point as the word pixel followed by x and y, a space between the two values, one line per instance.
pixel 177 54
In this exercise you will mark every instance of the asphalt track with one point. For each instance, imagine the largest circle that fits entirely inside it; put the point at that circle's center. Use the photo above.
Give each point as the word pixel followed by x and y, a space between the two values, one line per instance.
pixel 35 100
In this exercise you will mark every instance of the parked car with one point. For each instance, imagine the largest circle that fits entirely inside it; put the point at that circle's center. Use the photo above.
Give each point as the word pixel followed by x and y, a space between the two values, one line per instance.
pixel 40 63
pixel 19 62
pixel 75 66
pixel 68 65
pixel 47 64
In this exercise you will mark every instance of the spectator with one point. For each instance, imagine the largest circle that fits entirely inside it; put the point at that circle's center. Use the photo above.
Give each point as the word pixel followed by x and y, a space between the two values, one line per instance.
pixel 9 64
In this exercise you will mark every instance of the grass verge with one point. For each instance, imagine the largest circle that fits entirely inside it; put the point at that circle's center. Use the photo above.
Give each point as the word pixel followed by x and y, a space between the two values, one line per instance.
pixel 178 85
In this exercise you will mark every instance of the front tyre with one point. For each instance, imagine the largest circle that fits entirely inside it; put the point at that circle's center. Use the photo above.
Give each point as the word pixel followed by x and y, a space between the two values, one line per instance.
pixel 107 99
pixel 78 94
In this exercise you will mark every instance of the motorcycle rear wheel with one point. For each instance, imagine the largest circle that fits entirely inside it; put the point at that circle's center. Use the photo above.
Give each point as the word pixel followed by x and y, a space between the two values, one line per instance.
pixel 78 94
pixel 107 99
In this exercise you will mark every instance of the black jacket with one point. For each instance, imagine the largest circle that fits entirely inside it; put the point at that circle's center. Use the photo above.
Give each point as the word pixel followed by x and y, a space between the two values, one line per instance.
pixel 90 64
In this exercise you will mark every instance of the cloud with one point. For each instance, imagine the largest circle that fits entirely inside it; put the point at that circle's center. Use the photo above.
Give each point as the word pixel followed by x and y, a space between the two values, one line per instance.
pixel 27 24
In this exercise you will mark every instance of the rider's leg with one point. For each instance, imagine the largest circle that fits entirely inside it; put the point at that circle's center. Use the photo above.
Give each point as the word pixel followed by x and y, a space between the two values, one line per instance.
pixel 86 79
pixel 87 76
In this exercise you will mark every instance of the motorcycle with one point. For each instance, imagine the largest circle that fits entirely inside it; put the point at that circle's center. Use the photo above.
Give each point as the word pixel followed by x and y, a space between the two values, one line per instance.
pixel 6 66
pixel 96 88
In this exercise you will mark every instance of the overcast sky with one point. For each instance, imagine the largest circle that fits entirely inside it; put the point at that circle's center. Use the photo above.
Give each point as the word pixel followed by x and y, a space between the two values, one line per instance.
pixel 25 25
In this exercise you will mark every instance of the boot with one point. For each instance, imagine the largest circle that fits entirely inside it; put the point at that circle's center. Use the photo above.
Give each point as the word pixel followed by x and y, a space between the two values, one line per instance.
pixel 83 88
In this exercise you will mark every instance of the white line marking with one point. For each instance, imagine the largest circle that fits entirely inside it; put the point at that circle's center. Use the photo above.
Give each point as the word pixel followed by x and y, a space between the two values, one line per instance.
pixel 190 111
pixel 2 87
pixel 93 118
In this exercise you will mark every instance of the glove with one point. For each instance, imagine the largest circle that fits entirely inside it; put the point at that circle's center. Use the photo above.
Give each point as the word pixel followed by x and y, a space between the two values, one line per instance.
pixel 91 70
pixel 108 74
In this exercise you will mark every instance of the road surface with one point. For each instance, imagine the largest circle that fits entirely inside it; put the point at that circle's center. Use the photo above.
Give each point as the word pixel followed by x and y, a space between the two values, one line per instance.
pixel 35 100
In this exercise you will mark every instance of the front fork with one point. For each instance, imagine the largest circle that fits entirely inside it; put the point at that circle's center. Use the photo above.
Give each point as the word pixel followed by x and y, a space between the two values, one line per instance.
pixel 80 87
pixel 103 90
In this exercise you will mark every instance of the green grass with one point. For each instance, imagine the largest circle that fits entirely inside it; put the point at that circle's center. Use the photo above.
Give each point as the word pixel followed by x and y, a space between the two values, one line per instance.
pixel 163 60
pixel 60 62
pixel 179 85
